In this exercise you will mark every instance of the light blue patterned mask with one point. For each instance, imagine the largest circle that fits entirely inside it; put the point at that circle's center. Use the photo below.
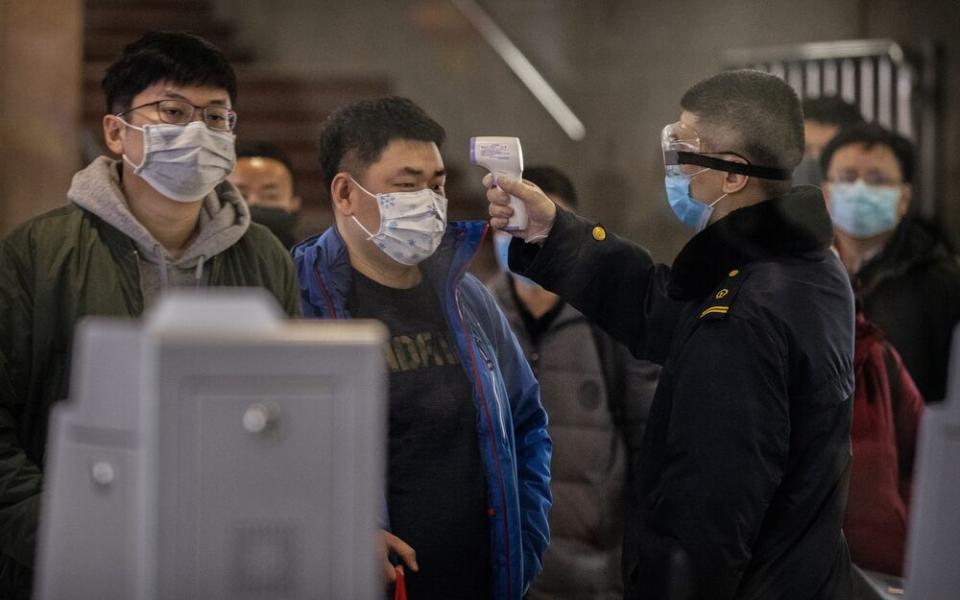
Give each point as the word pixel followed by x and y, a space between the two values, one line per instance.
pixel 863 210
pixel 412 224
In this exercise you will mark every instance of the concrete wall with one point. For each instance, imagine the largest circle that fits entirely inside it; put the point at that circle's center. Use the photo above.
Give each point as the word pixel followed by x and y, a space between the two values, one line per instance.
pixel 621 65
pixel 40 49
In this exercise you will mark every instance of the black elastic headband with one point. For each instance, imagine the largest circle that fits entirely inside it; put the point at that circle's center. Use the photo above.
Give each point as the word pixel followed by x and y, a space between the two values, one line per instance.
pixel 679 157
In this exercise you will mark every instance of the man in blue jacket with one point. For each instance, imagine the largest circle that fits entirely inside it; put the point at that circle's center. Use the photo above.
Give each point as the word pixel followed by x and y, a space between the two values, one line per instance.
pixel 468 450
pixel 746 455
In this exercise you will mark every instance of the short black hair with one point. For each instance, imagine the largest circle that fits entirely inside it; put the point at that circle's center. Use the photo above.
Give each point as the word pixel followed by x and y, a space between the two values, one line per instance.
pixel 552 181
pixel 264 150
pixel 870 135
pixel 831 110
pixel 357 133
pixel 177 57
pixel 754 114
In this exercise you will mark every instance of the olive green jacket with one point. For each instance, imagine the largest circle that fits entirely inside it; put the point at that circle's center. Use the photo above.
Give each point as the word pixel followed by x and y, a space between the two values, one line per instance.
pixel 55 270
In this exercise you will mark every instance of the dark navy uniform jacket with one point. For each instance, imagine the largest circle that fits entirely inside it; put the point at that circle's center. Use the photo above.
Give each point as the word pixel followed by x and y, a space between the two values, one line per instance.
pixel 744 468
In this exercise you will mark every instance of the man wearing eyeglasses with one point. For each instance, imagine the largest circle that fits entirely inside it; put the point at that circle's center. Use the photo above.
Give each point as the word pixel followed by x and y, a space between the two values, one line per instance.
pixel 158 217
pixel 745 459
pixel 907 277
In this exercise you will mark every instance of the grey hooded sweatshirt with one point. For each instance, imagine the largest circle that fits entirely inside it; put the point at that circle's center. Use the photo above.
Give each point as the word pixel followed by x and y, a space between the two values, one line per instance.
pixel 224 219
pixel 80 260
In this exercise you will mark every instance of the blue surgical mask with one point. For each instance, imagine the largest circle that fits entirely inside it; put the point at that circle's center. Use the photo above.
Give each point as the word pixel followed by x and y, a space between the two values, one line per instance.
pixel 691 212
pixel 863 210
pixel 501 246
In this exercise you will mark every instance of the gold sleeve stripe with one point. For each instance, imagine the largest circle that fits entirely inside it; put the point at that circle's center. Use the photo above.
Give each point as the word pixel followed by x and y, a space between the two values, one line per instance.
pixel 722 310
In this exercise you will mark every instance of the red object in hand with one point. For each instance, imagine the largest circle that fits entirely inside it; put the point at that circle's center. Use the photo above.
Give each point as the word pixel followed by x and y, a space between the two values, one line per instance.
pixel 400 586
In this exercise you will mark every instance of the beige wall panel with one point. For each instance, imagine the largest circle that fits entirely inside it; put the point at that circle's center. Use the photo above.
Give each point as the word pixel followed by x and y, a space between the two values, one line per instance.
pixel 40 54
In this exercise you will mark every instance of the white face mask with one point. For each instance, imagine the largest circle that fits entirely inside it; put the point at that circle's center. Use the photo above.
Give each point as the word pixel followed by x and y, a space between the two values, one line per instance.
pixel 184 162
pixel 411 224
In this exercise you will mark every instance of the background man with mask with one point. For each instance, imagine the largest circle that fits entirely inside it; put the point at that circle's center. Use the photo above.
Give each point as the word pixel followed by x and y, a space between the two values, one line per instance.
pixel 264 176
pixel 468 451
pixel 906 276
pixel 598 398
pixel 157 218
pixel 744 466
pixel 823 117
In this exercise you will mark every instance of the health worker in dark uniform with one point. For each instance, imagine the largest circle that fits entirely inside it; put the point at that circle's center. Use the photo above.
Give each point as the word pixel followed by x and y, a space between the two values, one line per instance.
pixel 744 466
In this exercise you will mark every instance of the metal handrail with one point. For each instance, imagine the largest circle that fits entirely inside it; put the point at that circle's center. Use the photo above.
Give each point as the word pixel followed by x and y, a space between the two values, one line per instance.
pixel 817 51
pixel 522 68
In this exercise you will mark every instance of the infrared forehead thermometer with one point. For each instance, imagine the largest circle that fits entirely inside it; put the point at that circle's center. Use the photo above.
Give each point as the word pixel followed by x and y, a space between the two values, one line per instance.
pixel 503 157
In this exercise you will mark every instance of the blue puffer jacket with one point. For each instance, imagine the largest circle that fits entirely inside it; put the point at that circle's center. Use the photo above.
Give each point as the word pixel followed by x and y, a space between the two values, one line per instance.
pixel 511 427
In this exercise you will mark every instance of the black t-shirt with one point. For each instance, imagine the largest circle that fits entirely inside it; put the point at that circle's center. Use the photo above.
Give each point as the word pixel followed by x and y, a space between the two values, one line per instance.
pixel 436 491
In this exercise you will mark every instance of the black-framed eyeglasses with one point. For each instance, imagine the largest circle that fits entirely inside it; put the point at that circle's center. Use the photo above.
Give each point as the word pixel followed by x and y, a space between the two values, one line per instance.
pixel 180 112
pixel 869 178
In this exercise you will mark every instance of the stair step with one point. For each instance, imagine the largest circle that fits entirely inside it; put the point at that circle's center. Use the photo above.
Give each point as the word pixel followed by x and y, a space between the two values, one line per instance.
pixel 134 28
pixel 157 15
pixel 155 8
pixel 277 83
pixel 264 97
pixel 136 19
pixel 108 44
pixel 152 4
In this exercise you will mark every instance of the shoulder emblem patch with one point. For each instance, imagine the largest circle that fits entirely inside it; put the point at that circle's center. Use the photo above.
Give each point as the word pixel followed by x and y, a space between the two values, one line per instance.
pixel 720 301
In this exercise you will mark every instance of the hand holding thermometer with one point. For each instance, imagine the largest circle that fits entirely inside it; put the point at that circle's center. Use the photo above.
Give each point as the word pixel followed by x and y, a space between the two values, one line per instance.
pixel 503 157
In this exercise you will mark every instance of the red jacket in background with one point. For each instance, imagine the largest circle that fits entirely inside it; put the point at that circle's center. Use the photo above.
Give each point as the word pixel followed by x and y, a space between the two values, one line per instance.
pixel 886 411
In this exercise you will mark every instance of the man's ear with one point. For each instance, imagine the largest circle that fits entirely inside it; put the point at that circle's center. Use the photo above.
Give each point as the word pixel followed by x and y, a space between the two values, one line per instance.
pixel 734 182
pixel 906 196
pixel 113 131
pixel 296 202
pixel 341 194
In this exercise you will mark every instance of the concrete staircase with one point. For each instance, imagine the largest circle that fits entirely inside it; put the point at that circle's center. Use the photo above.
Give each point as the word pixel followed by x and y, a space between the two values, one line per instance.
pixel 280 108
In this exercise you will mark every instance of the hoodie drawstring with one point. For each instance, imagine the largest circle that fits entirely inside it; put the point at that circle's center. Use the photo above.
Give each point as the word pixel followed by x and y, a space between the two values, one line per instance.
pixel 162 265
pixel 165 275
pixel 198 274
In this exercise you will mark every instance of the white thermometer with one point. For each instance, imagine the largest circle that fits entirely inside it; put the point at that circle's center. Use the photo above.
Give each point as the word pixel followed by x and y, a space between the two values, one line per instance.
pixel 503 157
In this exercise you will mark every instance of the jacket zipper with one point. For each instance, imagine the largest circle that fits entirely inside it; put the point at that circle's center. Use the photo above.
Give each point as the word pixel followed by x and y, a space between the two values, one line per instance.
pixel 493 441
pixel 139 287
pixel 496 389
pixel 331 307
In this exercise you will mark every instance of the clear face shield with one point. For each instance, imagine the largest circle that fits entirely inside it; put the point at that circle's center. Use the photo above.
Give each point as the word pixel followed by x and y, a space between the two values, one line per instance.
pixel 679 137
pixel 683 155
